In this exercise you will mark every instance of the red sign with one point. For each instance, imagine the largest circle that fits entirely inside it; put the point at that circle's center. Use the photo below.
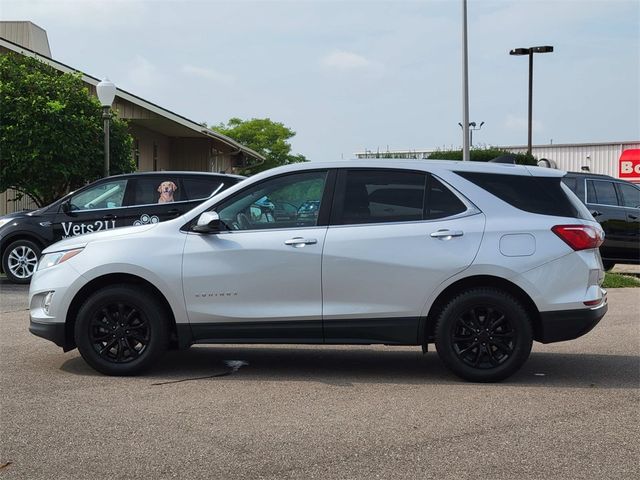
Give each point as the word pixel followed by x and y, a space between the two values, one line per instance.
pixel 629 165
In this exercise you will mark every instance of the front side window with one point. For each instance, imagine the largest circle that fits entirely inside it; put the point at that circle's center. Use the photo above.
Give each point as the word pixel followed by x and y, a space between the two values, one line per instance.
pixel 601 192
pixel 105 195
pixel 289 201
pixel 630 195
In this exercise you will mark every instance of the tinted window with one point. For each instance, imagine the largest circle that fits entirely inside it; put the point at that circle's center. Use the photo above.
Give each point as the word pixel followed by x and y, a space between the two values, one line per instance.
pixel 283 202
pixel 542 195
pixel 199 188
pixel 630 195
pixel 601 192
pixel 572 183
pixel 441 202
pixel 378 196
pixel 154 189
pixel 105 195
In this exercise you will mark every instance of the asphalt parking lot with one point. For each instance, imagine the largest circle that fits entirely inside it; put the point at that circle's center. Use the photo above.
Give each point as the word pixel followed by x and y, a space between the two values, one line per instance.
pixel 322 412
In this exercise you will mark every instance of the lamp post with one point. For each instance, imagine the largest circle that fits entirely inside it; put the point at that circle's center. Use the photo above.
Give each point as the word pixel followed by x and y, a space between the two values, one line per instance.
pixel 472 128
pixel 106 93
pixel 530 51
pixel 465 86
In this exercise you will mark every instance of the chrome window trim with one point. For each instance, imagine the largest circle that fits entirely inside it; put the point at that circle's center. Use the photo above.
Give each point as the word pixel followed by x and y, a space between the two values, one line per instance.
pixel 467 213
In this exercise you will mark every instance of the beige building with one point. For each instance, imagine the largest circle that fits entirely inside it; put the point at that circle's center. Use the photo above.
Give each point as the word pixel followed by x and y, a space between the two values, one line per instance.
pixel 163 140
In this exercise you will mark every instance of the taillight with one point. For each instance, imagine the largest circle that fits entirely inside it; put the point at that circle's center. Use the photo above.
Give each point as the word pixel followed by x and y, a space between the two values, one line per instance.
pixel 579 237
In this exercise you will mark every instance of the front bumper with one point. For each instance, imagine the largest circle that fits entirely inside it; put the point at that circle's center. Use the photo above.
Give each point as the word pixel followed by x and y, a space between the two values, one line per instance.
pixel 54 332
pixel 562 325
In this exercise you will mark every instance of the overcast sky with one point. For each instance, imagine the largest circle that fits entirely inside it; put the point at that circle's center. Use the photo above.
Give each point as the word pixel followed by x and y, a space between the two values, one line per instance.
pixel 368 74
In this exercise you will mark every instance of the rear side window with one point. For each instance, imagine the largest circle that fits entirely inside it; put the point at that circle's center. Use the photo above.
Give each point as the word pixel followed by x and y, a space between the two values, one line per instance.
pixel 441 202
pixel 541 195
pixel 383 196
pixel 630 195
pixel 154 189
pixel 380 196
pixel 199 188
pixel 601 192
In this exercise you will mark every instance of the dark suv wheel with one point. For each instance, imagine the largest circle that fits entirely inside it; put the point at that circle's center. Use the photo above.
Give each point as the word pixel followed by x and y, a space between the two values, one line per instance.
pixel 484 335
pixel 121 330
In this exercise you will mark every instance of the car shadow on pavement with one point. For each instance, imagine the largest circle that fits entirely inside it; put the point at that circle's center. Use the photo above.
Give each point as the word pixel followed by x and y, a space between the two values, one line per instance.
pixel 344 368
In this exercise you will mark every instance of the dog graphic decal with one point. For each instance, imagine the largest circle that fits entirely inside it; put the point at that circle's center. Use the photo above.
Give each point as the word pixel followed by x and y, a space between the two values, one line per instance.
pixel 166 191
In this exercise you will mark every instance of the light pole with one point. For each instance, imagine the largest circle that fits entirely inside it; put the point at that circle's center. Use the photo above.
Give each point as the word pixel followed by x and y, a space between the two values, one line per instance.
pixel 530 51
pixel 106 93
pixel 465 86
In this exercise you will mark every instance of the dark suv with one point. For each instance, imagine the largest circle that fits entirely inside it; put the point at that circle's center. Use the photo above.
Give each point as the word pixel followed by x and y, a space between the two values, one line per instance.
pixel 615 204
pixel 117 201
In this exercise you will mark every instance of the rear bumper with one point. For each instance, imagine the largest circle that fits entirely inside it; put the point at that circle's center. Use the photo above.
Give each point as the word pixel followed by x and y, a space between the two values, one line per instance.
pixel 564 325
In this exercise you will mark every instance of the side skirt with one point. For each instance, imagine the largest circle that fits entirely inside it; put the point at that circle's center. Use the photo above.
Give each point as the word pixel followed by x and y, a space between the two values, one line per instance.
pixel 387 331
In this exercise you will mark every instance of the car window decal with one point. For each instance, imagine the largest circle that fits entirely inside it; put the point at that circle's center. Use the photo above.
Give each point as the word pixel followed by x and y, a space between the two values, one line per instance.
pixel 166 191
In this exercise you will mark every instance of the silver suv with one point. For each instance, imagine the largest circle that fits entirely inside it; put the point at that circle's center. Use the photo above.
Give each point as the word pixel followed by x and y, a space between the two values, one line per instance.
pixel 479 259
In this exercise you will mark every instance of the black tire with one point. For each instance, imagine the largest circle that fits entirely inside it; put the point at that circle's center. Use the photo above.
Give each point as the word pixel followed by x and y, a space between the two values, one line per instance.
pixel 19 260
pixel 484 335
pixel 121 330
pixel 608 265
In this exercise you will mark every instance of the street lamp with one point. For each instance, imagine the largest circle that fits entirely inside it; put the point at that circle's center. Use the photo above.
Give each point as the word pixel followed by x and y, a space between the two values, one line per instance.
pixel 106 93
pixel 472 127
pixel 530 51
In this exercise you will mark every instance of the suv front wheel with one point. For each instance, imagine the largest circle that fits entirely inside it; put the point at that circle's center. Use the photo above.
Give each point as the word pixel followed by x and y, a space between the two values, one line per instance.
pixel 484 335
pixel 121 330
pixel 20 260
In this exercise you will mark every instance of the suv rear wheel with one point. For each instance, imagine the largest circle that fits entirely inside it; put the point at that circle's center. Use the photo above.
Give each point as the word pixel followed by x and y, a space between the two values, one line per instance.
pixel 121 330
pixel 484 335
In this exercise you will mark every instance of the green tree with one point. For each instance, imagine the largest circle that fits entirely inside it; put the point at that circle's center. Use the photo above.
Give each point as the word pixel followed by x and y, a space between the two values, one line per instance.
pixel 482 155
pixel 268 138
pixel 51 131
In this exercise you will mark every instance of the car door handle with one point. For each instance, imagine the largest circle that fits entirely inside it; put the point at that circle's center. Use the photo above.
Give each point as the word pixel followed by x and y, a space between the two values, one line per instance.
pixel 175 212
pixel 447 234
pixel 109 217
pixel 299 242
pixel 633 217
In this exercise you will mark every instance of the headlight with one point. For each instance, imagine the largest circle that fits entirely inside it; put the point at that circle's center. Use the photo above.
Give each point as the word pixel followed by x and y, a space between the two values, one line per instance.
pixel 4 221
pixel 56 258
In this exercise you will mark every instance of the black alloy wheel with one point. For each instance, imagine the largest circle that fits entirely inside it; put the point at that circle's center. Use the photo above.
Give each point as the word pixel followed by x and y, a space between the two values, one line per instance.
pixel 484 335
pixel 119 332
pixel 122 330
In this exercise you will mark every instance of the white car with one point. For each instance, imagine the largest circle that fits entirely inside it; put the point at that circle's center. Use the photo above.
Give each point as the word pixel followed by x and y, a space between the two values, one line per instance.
pixel 480 259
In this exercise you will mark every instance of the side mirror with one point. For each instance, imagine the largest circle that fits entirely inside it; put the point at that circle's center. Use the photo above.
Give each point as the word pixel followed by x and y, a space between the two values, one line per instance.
pixel 208 222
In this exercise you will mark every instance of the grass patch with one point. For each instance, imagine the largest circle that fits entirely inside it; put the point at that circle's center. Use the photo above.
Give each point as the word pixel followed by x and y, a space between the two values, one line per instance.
pixel 616 280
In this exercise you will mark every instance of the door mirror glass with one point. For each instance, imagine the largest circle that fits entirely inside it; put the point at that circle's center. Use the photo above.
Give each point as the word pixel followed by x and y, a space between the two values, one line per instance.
pixel 208 222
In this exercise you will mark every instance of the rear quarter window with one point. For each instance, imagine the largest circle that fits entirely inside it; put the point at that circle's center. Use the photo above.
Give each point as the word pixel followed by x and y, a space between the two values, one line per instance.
pixel 199 188
pixel 541 195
